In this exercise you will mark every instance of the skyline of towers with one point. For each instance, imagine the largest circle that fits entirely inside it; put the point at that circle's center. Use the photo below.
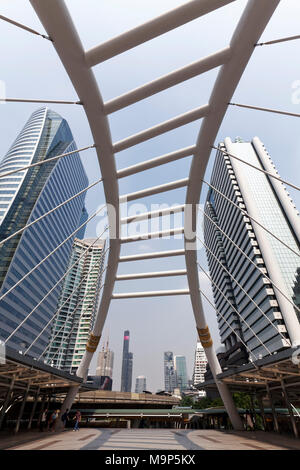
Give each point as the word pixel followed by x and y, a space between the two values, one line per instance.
pixel 267 201
pixel 127 362
pixel 25 196
pixel 175 372
pixel 78 304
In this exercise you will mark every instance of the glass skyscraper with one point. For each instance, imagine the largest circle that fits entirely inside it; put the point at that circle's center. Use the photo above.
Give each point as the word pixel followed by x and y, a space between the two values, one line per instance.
pixel 140 384
pixel 267 201
pixel 181 372
pixel 126 377
pixel 78 305
pixel 25 196
pixel 169 372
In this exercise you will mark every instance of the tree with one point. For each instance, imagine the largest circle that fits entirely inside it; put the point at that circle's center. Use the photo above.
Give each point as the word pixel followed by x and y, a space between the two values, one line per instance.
pixel 207 403
pixel 186 401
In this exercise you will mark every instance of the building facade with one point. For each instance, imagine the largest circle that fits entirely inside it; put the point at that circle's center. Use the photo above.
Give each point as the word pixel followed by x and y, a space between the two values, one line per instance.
pixel 105 362
pixel 25 196
pixel 199 365
pixel 181 372
pixel 140 384
pixel 126 377
pixel 169 372
pixel 78 305
pixel 267 201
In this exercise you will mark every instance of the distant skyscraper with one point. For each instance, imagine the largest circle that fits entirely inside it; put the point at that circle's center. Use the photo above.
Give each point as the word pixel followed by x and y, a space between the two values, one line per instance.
pixel 140 384
pixel 181 372
pixel 25 196
pixel 267 201
pixel 105 362
pixel 169 372
pixel 78 305
pixel 126 378
pixel 199 365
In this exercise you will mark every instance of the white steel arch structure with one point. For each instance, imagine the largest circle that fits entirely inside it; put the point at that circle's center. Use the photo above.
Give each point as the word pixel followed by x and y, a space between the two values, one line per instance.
pixel 78 63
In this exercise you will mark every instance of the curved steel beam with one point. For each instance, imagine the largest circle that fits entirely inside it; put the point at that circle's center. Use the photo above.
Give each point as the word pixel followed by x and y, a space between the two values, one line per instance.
pixel 58 23
pixel 252 24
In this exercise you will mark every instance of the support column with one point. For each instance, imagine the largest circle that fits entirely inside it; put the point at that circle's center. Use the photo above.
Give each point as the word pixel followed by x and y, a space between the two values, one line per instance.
pixel 34 407
pixel 67 404
pixel 22 408
pixel 253 413
pixel 223 389
pixel 275 420
pixel 291 411
pixel 42 409
pixel 7 400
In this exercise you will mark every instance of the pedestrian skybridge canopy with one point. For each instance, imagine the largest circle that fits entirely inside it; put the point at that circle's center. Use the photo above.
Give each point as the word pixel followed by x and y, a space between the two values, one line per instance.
pixel 231 61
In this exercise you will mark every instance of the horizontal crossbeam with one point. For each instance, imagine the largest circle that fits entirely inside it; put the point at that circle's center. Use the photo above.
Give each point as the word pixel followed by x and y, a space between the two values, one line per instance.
pixel 147 236
pixel 159 293
pixel 153 214
pixel 161 128
pixel 154 190
pixel 151 29
pixel 128 277
pixel 174 78
pixel 157 254
pixel 157 161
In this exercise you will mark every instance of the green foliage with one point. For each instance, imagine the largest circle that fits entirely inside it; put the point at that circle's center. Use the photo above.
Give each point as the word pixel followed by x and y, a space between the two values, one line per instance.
pixel 242 400
pixel 207 403
pixel 186 401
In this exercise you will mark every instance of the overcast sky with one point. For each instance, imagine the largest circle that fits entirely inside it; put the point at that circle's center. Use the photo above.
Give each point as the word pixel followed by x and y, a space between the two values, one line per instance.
pixel 30 68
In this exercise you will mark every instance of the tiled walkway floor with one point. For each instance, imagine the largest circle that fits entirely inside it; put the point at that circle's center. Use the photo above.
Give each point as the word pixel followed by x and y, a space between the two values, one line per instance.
pixel 157 439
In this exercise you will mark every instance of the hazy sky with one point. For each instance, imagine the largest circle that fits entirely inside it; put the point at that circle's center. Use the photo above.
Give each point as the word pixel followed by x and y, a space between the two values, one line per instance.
pixel 30 68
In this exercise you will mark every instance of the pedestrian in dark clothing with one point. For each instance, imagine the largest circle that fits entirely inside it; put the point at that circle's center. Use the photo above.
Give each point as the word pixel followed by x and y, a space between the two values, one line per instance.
pixel 65 417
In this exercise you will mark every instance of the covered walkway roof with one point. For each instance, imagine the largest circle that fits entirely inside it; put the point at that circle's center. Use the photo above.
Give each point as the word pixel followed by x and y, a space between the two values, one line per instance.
pixel 24 371
pixel 269 371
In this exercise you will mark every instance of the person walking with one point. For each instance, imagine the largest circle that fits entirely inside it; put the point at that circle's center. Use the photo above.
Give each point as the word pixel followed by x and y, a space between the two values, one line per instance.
pixel 52 420
pixel 65 417
pixel 43 421
pixel 56 419
pixel 77 420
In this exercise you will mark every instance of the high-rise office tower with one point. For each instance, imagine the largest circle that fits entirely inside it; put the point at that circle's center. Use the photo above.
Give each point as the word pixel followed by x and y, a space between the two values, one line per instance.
pixel 126 377
pixel 169 372
pixel 199 365
pixel 78 304
pixel 140 384
pixel 181 372
pixel 105 362
pixel 25 196
pixel 267 201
